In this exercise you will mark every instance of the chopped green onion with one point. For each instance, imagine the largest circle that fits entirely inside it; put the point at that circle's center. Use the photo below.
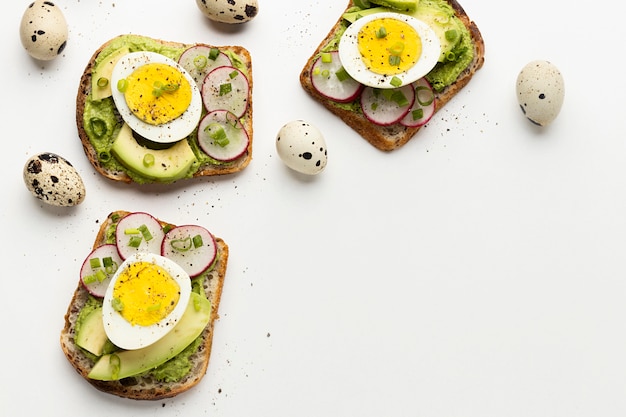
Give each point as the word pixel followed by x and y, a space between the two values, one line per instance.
pixel 396 48
pixel 451 56
pixel 197 241
pixel 200 62
pixel 325 73
pixel 374 106
pixel 102 82
pixel 132 231
pixel 107 261
pixel 327 57
pixel 317 71
pixel 160 88
pixel 154 307
pixel 95 263
pixel 98 126
pixel 148 160
pixel 134 241
pixel 101 275
pixel 451 35
pixel 394 60
pixel 399 98
pixel 117 304
pixel 417 114
pixel 213 54
pixel 122 85
pixel 342 74
pixel 181 245
pixel 381 32
pixel 395 81
pixel 104 156
pixel 145 232
pixel 217 133
pixel 420 99
pixel 225 88
pixel 233 74
pixel 89 279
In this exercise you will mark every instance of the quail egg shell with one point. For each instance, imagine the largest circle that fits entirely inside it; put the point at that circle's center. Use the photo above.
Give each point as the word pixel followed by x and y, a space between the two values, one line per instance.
pixel 53 179
pixel 302 147
pixel 176 127
pixel 229 11
pixel 146 297
pixel 43 30
pixel 388 50
pixel 540 92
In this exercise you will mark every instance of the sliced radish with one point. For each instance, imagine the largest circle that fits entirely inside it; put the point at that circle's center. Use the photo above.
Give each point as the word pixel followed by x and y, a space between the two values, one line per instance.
pixel 190 246
pixel 387 106
pixel 226 88
pixel 222 136
pixel 423 106
pixel 98 269
pixel 331 80
pixel 138 232
pixel 199 60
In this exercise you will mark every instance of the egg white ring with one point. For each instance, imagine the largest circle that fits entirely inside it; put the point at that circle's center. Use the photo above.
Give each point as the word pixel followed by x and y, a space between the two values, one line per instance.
pixel 117 327
pixel 169 132
pixel 353 63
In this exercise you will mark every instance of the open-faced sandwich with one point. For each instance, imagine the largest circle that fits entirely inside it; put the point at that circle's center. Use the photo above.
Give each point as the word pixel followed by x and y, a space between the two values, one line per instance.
pixel 140 322
pixel 154 111
pixel 387 66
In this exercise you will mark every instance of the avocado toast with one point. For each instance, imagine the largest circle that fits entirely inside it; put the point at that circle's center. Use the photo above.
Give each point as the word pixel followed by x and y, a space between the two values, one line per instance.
pixel 462 55
pixel 173 364
pixel 120 152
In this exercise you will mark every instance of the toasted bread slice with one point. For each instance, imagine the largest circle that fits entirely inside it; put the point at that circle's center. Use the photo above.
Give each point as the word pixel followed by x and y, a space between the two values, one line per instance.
pixel 145 387
pixel 118 172
pixel 391 137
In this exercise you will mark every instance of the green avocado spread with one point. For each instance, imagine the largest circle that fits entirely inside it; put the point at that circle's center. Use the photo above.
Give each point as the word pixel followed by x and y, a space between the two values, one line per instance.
pixel 102 122
pixel 457 45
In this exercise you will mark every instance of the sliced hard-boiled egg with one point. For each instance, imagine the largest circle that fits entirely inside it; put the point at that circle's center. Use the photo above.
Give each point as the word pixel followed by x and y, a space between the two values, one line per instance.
pixel 156 96
pixel 388 50
pixel 145 299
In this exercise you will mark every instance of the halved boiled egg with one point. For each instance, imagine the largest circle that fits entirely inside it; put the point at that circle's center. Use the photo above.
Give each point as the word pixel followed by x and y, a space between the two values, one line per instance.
pixel 156 96
pixel 147 296
pixel 388 50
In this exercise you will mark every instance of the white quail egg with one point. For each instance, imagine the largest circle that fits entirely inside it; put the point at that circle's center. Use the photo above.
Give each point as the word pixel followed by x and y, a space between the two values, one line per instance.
pixel 540 92
pixel 229 11
pixel 52 179
pixel 302 147
pixel 43 30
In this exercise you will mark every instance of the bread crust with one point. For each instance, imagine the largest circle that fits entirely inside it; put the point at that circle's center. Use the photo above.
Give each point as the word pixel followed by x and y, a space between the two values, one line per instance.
pixel 143 387
pixel 388 138
pixel 84 90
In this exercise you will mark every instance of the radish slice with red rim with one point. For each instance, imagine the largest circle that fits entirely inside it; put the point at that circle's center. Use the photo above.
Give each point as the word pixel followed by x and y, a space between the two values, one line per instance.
pixel 226 88
pixel 192 247
pixel 387 106
pixel 423 106
pixel 138 232
pixel 199 60
pixel 222 136
pixel 98 268
pixel 331 80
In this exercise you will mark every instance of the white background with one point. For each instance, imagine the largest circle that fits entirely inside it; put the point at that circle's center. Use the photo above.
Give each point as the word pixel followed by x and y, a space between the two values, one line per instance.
pixel 477 271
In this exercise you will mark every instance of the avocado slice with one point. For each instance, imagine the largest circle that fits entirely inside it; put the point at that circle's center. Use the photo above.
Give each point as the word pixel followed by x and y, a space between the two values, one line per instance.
pixel 128 363
pixel 443 22
pixel 103 71
pixel 91 335
pixel 163 165
pixel 403 5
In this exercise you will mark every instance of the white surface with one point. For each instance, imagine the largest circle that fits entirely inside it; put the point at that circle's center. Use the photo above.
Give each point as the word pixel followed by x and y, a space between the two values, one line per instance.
pixel 477 271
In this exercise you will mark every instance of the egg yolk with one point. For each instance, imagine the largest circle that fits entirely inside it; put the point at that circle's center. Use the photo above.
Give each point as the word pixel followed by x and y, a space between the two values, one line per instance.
pixel 157 93
pixel 389 46
pixel 145 293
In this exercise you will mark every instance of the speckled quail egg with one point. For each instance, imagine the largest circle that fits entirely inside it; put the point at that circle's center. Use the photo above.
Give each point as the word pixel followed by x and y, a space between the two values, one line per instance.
pixel 43 30
pixel 540 92
pixel 229 11
pixel 52 179
pixel 302 147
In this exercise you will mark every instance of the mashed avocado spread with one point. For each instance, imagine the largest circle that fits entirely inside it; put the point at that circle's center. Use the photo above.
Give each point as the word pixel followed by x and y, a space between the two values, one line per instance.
pixel 102 122
pixel 459 52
